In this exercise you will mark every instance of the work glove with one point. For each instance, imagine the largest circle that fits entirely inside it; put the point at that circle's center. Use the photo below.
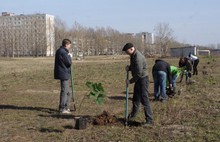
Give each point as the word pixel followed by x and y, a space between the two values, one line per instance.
pixel 170 90
pixel 170 86
pixel 127 82
pixel 71 55
pixel 189 74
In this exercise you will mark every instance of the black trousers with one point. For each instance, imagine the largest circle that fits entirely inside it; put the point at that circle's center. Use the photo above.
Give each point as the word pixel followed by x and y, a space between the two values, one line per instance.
pixel 141 96
pixel 195 64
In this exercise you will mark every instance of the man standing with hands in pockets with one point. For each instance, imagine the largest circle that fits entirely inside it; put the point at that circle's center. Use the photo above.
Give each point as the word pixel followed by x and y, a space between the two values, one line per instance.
pixel 138 68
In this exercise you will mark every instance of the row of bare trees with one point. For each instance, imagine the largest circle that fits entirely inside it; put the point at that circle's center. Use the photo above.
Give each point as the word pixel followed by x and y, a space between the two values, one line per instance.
pixel 100 40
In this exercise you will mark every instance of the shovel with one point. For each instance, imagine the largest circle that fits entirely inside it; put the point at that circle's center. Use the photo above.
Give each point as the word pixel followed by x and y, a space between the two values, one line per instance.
pixel 126 104
pixel 72 87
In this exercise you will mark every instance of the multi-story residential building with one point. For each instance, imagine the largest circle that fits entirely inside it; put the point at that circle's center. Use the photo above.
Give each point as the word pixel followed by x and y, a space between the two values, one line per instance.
pixel 146 37
pixel 26 35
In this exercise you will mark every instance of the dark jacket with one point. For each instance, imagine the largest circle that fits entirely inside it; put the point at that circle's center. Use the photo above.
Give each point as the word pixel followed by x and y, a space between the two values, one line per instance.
pixel 161 65
pixel 63 63
pixel 185 63
pixel 138 66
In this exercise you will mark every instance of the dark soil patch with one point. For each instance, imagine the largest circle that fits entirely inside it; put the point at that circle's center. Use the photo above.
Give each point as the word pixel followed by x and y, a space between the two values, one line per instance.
pixel 105 118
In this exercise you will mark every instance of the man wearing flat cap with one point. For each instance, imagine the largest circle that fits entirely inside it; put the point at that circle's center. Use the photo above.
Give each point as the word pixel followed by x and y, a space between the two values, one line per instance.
pixel 138 68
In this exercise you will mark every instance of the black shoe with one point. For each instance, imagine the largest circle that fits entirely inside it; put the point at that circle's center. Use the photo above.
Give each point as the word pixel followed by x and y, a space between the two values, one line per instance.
pixel 156 99
pixel 147 124
pixel 65 112
pixel 130 118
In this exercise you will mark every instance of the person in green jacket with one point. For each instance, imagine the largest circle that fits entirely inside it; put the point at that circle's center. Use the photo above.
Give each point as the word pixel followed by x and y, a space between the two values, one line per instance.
pixel 175 73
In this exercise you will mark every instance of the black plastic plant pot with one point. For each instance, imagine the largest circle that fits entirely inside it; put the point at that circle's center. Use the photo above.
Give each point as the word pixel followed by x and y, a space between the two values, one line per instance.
pixel 81 123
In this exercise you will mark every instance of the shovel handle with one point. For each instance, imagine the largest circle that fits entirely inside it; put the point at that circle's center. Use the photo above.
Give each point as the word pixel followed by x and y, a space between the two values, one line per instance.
pixel 72 84
pixel 72 88
pixel 126 103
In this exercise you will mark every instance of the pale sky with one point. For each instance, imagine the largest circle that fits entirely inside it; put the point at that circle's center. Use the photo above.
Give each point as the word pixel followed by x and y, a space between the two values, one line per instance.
pixel 193 21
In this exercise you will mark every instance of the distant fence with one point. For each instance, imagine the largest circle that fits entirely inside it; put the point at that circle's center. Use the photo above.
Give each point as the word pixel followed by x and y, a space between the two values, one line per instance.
pixel 215 52
pixel 183 51
pixel 203 52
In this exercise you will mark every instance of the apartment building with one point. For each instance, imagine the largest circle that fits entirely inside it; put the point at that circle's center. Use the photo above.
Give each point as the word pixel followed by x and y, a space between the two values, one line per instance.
pixel 26 35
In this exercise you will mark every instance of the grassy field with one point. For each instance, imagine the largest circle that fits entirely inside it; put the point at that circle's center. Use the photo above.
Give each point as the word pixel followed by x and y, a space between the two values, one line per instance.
pixel 30 96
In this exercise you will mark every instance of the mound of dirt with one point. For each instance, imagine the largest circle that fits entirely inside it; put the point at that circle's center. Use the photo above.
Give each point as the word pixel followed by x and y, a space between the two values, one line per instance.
pixel 105 118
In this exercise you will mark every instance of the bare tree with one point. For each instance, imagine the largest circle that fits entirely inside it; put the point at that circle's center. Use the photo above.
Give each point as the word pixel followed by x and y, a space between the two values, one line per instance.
pixel 60 32
pixel 102 40
pixel 113 38
pixel 9 41
pixel 164 36
pixel 4 40
pixel 78 34
pixel 213 46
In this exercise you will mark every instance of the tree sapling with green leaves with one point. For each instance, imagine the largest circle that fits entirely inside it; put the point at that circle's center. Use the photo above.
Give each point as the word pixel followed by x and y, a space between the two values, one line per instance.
pixel 96 93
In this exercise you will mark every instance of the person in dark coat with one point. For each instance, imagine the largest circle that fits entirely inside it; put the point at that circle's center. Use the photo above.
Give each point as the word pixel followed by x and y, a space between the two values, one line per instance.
pixel 62 70
pixel 161 71
pixel 138 68
pixel 186 66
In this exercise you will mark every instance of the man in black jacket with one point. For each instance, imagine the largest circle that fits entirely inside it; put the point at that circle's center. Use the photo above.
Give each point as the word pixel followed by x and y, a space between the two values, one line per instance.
pixel 161 71
pixel 138 68
pixel 62 70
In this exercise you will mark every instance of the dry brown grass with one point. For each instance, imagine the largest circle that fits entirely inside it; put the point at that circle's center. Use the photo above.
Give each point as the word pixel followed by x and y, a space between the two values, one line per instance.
pixel 30 96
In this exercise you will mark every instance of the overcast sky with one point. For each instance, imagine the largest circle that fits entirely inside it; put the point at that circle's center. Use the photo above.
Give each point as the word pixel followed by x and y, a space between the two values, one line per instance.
pixel 193 21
